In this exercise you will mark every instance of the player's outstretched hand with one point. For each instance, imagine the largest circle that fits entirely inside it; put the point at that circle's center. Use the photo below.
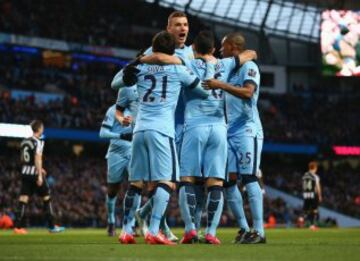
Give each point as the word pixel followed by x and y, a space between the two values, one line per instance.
pixel 129 77
pixel 126 121
pixel 211 84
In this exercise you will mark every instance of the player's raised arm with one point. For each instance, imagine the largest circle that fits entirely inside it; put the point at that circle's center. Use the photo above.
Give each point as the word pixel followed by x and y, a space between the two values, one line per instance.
pixel 117 81
pixel 126 77
pixel 122 102
pixel 106 126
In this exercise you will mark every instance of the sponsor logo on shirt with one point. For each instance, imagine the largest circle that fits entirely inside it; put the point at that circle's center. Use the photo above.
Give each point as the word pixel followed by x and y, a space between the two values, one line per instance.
pixel 251 72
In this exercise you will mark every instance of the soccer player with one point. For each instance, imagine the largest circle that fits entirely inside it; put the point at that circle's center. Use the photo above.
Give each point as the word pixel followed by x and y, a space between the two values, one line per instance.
pixel 245 139
pixel 204 147
pixel 178 26
pixel 33 179
pixel 311 194
pixel 154 158
pixel 118 155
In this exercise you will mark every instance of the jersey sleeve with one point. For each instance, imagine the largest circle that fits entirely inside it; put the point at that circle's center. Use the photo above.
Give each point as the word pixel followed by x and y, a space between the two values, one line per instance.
pixel 122 100
pixel 108 121
pixel 148 51
pixel 251 73
pixel 39 147
pixel 117 81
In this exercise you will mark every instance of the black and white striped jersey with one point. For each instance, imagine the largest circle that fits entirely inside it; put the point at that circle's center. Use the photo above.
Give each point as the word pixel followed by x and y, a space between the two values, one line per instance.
pixel 310 182
pixel 30 147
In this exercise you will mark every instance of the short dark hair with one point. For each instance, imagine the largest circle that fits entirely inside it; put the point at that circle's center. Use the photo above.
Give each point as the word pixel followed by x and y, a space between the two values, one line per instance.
pixel 36 125
pixel 237 39
pixel 204 42
pixel 164 42
pixel 176 14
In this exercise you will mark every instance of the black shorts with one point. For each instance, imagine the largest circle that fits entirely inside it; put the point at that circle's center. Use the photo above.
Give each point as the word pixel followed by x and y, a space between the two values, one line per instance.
pixel 29 187
pixel 311 204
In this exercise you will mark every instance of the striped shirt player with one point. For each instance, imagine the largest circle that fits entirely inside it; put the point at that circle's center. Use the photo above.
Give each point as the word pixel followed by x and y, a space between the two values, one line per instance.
pixel 33 179
pixel 310 182
pixel 311 194
pixel 30 147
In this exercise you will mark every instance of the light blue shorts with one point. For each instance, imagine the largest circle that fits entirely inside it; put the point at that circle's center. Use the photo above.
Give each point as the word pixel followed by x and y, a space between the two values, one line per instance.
pixel 117 167
pixel 244 154
pixel 204 152
pixel 154 157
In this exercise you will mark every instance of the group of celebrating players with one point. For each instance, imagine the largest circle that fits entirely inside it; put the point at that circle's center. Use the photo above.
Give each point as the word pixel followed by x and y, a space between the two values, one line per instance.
pixel 184 117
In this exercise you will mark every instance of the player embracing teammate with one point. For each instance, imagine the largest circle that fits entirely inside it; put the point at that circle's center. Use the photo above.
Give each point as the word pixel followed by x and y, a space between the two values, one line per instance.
pixel 230 88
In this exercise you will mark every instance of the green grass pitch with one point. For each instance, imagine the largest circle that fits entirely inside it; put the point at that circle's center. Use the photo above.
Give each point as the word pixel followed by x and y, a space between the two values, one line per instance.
pixel 93 244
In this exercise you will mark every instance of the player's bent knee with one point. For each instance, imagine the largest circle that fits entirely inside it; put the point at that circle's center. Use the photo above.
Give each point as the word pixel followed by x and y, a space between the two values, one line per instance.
pixel 169 184
pixel 214 182
pixel 151 186
pixel 138 184
pixel 166 185
pixel 188 179
pixel 246 179
pixel 24 199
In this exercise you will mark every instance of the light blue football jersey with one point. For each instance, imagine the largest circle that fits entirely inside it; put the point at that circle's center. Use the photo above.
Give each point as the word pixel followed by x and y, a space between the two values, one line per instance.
pixel 186 54
pixel 203 111
pixel 159 87
pixel 128 98
pixel 243 115
pixel 110 123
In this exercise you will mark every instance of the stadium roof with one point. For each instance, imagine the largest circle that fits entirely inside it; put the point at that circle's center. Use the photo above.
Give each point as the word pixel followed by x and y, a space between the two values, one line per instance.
pixel 275 17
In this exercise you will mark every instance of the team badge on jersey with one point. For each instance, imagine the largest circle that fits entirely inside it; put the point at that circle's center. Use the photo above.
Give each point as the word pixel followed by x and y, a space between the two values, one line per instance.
pixel 251 72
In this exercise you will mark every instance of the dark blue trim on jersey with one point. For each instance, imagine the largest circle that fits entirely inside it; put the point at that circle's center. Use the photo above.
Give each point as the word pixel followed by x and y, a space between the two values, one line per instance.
pixel 182 61
pixel 236 158
pixel 251 82
pixel 173 159
pixel 255 156
pixel 194 83
pixel 106 126
pixel 237 63
pixel 120 108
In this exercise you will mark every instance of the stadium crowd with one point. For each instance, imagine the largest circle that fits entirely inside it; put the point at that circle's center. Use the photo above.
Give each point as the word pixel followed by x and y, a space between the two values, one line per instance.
pixel 78 192
pixel 293 117
pixel 339 184
pixel 110 24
